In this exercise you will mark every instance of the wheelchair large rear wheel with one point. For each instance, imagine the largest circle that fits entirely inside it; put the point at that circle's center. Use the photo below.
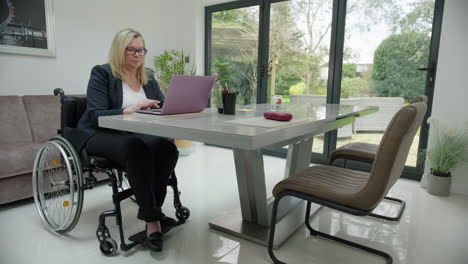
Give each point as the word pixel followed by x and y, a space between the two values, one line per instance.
pixel 58 185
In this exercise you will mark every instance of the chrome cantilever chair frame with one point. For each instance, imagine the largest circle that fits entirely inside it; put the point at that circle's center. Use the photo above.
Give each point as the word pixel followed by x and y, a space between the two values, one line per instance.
pixel 314 232
pixel 354 192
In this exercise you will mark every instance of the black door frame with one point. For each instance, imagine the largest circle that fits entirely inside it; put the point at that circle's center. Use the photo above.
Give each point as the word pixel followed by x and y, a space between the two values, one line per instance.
pixel 263 39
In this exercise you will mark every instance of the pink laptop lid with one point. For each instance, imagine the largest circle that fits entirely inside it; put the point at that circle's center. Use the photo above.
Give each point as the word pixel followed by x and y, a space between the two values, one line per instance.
pixel 187 94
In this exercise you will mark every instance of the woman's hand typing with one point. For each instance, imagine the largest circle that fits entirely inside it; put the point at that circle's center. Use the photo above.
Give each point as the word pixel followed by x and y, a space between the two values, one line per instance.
pixel 143 104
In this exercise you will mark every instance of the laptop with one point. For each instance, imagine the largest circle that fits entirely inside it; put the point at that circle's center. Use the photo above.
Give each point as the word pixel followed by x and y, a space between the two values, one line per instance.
pixel 186 94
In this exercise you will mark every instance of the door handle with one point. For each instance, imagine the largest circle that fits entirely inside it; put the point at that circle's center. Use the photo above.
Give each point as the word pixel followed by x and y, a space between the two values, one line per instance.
pixel 426 69
pixel 430 70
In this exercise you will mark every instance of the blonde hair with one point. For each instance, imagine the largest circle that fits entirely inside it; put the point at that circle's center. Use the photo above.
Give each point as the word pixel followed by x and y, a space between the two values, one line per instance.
pixel 117 54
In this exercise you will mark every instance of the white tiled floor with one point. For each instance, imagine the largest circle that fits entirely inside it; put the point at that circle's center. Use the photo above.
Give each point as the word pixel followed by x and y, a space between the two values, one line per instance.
pixel 432 230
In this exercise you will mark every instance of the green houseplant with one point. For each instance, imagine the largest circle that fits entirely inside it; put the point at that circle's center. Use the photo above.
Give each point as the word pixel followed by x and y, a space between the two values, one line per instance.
pixel 448 150
pixel 166 64
pixel 171 62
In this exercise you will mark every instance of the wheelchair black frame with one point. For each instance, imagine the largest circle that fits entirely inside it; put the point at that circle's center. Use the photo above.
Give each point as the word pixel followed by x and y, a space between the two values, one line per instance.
pixel 90 165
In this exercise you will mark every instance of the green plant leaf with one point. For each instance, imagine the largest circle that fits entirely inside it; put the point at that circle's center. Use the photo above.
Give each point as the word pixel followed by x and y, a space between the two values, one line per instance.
pixel 168 63
pixel 448 149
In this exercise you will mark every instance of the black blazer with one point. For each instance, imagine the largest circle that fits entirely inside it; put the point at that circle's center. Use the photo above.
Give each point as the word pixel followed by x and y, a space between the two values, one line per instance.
pixel 104 97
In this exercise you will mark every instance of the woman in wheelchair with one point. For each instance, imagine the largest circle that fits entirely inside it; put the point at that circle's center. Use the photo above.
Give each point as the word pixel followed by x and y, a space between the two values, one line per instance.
pixel 122 87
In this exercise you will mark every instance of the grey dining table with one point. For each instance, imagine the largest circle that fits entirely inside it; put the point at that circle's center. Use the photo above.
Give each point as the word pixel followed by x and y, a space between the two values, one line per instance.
pixel 247 133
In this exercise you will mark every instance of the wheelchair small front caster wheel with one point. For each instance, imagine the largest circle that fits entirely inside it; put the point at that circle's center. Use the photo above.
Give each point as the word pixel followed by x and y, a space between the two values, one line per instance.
pixel 108 247
pixel 183 214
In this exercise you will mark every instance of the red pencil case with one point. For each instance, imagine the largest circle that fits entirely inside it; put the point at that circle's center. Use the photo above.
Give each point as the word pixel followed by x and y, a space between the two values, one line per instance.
pixel 279 116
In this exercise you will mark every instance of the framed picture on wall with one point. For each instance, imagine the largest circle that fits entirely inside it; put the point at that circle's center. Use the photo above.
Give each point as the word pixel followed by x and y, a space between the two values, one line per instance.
pixel 27 27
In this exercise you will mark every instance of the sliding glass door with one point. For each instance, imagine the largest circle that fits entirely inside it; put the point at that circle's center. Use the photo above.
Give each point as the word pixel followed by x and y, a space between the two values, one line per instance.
pixel 385 43
pixel 234 51
pixel 357 52
pixel 299 52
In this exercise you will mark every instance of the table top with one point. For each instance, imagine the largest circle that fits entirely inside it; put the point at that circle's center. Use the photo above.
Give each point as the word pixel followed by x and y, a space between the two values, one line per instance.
pixel 247 129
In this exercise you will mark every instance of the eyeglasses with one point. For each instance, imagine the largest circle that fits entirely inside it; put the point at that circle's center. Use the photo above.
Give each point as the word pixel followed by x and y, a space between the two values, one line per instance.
pixel 133 51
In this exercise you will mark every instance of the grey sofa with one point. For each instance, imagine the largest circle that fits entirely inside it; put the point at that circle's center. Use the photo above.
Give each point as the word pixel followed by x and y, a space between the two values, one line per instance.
pixel 26 122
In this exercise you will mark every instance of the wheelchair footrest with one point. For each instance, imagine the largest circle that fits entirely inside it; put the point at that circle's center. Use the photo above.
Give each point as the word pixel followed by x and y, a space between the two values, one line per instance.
pixel 138 237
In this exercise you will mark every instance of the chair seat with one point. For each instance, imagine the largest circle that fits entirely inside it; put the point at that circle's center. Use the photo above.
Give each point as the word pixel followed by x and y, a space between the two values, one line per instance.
pixel 333 184
pixel 355 150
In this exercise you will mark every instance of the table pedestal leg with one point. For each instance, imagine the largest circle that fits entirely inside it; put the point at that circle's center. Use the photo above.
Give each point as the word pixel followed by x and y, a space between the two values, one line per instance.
pixel 252 220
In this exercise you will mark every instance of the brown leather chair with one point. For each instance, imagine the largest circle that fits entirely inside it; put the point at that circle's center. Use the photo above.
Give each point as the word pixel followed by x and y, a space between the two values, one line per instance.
pixel 350 191
pixel 365 152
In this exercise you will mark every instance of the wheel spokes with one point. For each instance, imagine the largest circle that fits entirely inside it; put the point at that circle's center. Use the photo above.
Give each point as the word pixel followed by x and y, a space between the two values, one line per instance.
pixel 58 186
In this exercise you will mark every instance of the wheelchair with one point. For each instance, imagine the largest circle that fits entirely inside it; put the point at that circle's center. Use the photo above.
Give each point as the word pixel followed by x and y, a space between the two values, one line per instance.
pixel 58 183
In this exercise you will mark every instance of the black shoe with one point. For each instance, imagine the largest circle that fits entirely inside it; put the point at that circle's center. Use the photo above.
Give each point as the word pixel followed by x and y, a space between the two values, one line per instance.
pixel 154 241
pixel 167 224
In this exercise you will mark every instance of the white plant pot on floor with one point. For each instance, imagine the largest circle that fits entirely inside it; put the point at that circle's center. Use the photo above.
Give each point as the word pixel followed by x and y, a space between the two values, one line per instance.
pixel 439 185
pixel 185 147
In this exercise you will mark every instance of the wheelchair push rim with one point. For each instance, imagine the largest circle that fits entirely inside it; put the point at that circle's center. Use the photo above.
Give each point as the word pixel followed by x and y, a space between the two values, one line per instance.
pixel 58 185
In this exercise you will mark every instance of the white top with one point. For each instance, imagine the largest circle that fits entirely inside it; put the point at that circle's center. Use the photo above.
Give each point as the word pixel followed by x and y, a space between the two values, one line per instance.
pixel 131 97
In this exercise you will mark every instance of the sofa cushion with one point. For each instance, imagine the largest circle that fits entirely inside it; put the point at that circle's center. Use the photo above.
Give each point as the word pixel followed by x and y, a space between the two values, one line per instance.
pixel 44 115
pixel 14 121
pixel 17 158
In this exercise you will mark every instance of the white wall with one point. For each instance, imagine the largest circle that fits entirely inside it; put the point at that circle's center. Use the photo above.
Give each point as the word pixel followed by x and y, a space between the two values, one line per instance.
pixel 451 87
pixel 83 32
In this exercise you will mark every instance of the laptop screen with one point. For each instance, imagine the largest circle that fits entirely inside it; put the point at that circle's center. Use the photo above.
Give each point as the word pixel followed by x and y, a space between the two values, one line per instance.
pixel 186 94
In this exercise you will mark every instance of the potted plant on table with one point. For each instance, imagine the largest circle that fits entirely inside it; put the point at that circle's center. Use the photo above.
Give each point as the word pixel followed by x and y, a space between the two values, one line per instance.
pixel 448 150
pixel 166 64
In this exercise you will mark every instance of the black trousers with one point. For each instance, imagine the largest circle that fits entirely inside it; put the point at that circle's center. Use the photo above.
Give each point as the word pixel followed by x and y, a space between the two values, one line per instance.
pixel 148 161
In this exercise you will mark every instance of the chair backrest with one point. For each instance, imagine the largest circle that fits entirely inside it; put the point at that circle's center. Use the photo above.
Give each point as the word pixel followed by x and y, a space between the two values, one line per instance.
pixel 72 108
pixel 418 99
pixel 392 153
